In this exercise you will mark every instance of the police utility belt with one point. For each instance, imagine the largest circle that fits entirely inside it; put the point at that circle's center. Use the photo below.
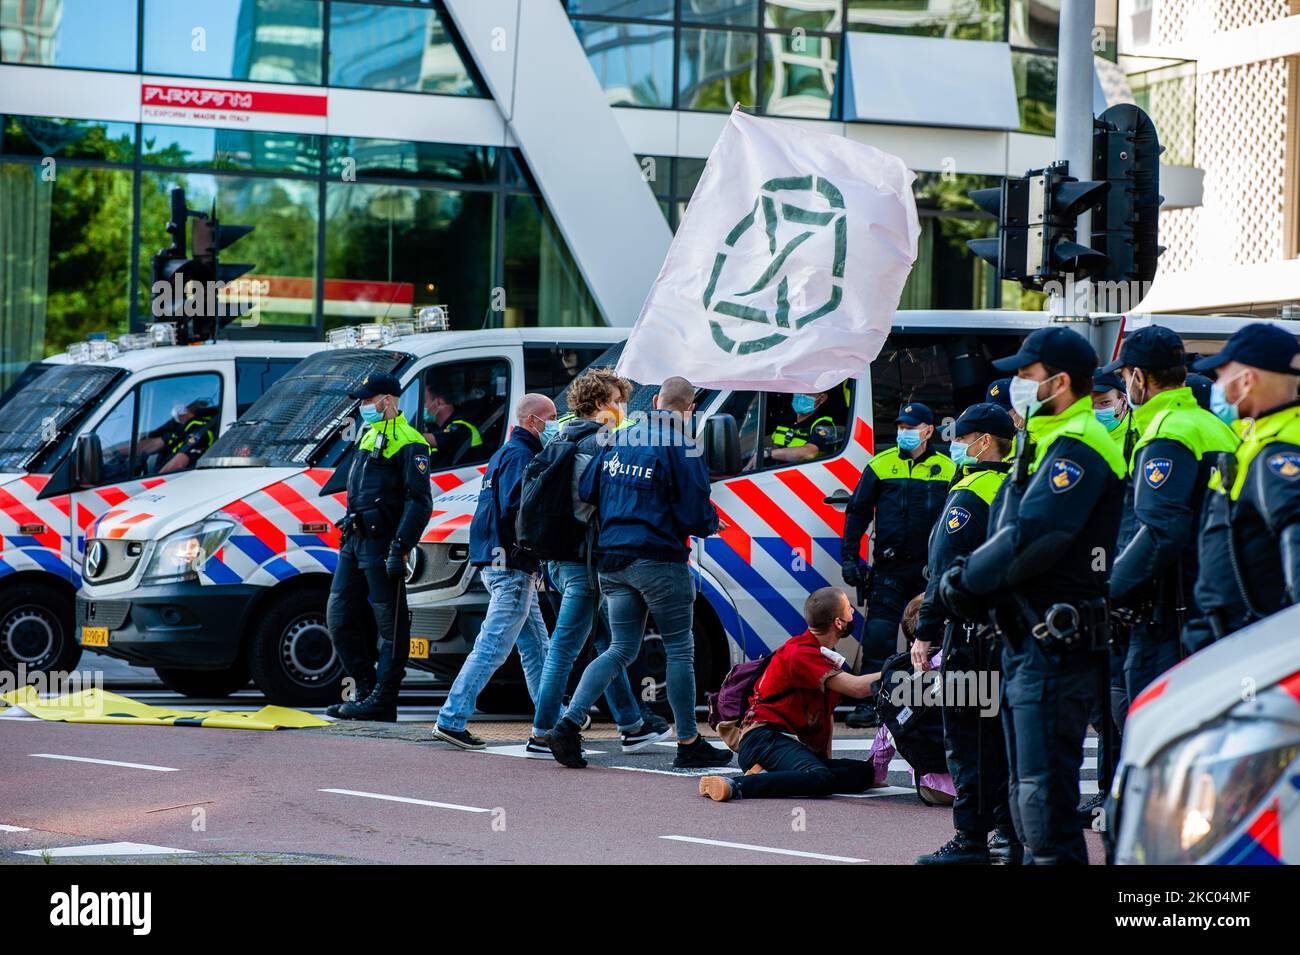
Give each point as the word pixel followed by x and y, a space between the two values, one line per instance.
pixel 366 522
pixel 1067 627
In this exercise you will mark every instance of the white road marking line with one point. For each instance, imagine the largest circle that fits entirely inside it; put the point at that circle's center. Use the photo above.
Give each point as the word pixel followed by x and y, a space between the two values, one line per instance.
pixel 107 762
pixel 713 771
pixel 768 849
pixel 107 849
pixel 14 829
pixel 406 799
pixel 880 791
pixel 520 749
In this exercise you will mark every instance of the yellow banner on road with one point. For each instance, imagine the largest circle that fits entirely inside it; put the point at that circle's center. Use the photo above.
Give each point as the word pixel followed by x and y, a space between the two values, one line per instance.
pixel 99 706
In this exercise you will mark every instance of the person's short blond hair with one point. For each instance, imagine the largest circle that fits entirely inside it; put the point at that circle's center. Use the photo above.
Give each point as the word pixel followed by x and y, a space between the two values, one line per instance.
pixel 596 388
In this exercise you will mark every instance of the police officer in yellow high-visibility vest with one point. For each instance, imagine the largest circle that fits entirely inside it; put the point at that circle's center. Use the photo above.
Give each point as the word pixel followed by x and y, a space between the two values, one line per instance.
pixel 1250 541
pixel 451 439
pixel 811 434
pixel 388 504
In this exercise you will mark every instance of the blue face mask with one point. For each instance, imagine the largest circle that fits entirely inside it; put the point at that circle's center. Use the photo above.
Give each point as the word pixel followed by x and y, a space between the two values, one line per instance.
pixel 550 431
pixel 958 451
pixel 371 414
pixel 909 440
pixel 803 404
pixel 1108 417
pixel 1219 404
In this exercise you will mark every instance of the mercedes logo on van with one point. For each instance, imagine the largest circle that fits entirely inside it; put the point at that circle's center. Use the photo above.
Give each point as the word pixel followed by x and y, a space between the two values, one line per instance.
pixel 95 558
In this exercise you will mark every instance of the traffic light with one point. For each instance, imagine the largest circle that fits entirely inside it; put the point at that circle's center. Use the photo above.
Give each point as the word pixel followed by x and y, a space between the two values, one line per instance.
pixel 1125 225
pixel 188 288
pixel 1037 218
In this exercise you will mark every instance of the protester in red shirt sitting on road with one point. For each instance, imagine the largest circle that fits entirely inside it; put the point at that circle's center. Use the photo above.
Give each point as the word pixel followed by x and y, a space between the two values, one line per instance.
pixel 785 741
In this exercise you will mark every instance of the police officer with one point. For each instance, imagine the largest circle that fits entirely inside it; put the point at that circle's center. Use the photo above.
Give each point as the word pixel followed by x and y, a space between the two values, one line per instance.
pixel 1040 573
pixel 975 747
pixel 450 438
pixel 184 438
pixel 810 436
pixel 1250 541
pixel 388 504
pixel 1177 444
pixel 1110 405
pixel 902 489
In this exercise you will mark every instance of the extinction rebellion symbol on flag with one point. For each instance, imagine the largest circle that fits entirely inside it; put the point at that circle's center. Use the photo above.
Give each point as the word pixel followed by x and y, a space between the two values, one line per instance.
pixel 812 205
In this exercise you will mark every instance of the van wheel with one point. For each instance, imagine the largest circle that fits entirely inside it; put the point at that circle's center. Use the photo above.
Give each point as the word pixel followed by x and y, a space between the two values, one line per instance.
pixel 290 654
pixel 37 629
pixel 205 683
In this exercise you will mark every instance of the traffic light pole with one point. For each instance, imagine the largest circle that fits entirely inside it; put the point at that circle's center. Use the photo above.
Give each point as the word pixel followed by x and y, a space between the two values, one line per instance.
pixel 1074 87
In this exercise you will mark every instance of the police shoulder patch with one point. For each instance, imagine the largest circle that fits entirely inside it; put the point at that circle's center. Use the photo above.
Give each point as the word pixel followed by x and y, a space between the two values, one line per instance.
pixel 1064 475
pixel 1285 465
pixel 1157 471
pixel 957 518
pixel 422 463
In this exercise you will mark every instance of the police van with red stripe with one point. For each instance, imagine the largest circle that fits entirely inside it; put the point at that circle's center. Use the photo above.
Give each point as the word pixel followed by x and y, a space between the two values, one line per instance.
pixel 221 575
pixel 82 432
pixel 782 522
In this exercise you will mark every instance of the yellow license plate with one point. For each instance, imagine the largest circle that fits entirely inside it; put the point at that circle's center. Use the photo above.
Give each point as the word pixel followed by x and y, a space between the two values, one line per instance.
pixel 419 648
pixel 94 636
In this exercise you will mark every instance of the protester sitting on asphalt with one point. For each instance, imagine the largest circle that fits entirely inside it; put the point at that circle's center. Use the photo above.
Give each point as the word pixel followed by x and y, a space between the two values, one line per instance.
pixel 513 613
pixel 595 398
pixel 785 742
pixel 651 488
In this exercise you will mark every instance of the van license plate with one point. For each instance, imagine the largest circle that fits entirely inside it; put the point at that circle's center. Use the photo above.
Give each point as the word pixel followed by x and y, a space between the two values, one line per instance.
pixel 419 648
pixel 94 636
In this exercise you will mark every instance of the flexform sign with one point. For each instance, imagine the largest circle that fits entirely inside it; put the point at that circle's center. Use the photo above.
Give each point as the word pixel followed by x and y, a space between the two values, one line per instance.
pixel 247 106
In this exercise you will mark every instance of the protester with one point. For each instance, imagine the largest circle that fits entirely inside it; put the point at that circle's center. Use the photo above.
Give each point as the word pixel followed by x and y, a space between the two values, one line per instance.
pixel 513 613
pixel 785 742
pixel 651 488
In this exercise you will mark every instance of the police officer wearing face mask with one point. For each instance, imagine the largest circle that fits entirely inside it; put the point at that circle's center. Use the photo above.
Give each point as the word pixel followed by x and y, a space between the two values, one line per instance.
pixel 1177 445
pixel 1043 573
pixel 903 489
pixel 976 750
pixel 388 504
pixel 1110 405
pixel 811 435
pixel 1250 540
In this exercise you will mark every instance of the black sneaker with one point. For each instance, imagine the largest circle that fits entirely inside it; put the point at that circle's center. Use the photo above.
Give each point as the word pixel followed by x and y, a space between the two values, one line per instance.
pixel 380 707
pixel 700 755
pixel 653 730
pixel 1005 849
pixel 961 849
pixel 537 748
pixel 462 738
pixel 863 716
pixel 565 742
pixel 1089 809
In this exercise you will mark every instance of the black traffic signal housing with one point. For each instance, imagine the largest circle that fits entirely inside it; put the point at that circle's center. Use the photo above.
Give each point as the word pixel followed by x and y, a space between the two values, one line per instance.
pixel 1126 223
pixel 191 294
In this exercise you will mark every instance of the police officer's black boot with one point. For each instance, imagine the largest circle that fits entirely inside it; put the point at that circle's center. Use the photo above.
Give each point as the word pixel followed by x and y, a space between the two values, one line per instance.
pixel 863 715
pixel 380 706
pixel 1005 849
pixel 961 849
pixel 364 685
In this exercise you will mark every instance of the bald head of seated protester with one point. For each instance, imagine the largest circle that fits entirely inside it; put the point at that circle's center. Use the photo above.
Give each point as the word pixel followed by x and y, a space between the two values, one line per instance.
pixel 785 736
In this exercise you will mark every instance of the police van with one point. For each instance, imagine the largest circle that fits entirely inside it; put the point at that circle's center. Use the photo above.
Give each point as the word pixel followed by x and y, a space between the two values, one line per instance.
pixel 782 523
pixel 82 432
pixel 223 574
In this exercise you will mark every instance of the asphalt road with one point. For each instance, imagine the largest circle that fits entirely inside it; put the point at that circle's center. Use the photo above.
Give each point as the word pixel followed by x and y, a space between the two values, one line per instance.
pixel 362 792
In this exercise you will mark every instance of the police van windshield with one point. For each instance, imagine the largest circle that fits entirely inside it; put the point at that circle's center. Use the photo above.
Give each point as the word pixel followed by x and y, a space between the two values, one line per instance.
pixel 39 420
pixel 304 414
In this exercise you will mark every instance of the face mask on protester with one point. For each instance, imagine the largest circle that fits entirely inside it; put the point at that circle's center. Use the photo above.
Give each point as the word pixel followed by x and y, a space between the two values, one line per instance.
pixel 550 431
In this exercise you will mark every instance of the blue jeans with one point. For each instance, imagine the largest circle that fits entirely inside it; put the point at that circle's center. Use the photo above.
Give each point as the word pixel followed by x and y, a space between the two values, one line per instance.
pixel 513 614
pixel 662 588
pixel 579 599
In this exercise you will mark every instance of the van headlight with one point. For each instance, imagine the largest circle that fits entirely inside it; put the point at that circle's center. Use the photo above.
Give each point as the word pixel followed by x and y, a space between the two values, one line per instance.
pixel 180 555
pixel 1201 788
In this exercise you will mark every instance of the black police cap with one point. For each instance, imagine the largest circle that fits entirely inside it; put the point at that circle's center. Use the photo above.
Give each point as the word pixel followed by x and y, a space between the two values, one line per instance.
pixel 373 385
pixel 1057 346
pixel 999 393
pixel 985 418
pixel 1260 345
pixel 1155 348
pixel 915 413
pixel 1201 388
pixel 1103 380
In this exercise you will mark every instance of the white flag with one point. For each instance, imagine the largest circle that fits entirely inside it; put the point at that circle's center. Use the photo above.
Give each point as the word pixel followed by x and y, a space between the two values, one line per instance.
pixel 787 268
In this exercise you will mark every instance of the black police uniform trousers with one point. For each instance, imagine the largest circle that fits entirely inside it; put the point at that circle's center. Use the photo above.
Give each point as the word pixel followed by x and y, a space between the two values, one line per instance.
pixel 974 744
pixel 1153 648
pixel 361 588
pixel 893 584
pixel 1047 699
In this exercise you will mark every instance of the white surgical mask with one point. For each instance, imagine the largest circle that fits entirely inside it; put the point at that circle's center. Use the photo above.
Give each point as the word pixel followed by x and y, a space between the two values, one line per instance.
pixel 1024 395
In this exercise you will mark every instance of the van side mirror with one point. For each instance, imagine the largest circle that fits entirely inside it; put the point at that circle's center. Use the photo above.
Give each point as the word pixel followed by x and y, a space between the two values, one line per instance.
pixel 87 461
pixel 722 444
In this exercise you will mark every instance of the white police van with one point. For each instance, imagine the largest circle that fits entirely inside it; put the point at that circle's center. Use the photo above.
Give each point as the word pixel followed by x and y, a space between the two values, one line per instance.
pixel 223 574
pixel 82 432
pixel 783 522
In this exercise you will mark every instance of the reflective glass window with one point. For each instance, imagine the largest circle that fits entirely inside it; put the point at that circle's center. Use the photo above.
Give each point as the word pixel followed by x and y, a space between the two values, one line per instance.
pixel 352 156
pixel 799 74
pixel 811 15
pixel 1036 90
pixel 395 48
pixel 717 68
pixel 633 62
pixel 736 13
pixel 195 146
pixel 542 281
pixel 976 20
pixel 272 41
pixel 88 34
pixel 67 138
pixel 632 9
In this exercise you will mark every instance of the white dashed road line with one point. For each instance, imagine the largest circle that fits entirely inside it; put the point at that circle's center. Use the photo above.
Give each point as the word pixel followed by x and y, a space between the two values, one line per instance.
pixel 106 849
pixel 107 762
pixel 406 799
pixel 14 829
pixel 767 849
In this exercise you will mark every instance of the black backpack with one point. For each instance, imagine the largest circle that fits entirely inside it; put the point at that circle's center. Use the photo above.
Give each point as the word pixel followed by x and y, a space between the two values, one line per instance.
pixel 917 730
pixel 545 526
